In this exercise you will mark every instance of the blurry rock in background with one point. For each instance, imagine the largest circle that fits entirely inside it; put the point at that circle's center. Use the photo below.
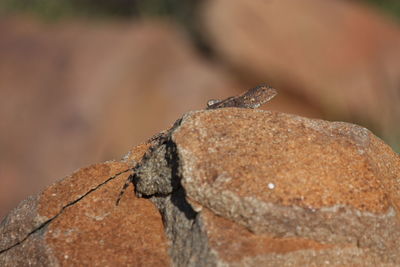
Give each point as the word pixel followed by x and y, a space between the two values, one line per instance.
pixel 84 81
pixel 76 94
pixel 341 57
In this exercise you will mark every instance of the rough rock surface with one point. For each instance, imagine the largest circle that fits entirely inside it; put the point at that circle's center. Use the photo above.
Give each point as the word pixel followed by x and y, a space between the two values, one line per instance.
pixel 338 54
pixel 234 187
pixel 145 68
pixel 271 188
pixel 75 222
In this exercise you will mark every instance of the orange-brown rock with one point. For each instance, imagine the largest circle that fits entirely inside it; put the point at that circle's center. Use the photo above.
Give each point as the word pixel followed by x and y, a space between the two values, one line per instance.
pixel 341 56
pixel 234 187
pixel 303 191
pixel 82 82
pixel 75 222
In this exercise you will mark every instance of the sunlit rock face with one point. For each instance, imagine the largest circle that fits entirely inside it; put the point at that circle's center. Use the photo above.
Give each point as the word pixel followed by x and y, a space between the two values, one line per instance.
pixel 233 187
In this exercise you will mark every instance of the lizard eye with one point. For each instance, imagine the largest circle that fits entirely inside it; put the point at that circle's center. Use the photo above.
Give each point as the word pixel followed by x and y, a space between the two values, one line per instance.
pixel 212 102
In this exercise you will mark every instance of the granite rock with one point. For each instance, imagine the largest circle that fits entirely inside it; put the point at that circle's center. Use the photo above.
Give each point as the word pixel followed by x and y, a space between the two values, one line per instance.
pixel 339 55
pixel 70 92
pixel 233 187
pixel 75 222
pixel 268 188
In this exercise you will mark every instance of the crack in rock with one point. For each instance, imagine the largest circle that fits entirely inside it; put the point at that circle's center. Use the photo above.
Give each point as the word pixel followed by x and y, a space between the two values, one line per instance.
pixel 158 178
pixel 45 223
pixel 160 175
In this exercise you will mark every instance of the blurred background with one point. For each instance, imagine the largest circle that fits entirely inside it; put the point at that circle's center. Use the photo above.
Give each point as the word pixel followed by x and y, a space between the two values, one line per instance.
pixel 84 81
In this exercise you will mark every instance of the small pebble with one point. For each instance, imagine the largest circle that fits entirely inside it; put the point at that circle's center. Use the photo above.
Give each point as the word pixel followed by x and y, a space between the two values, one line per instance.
pixel 271 185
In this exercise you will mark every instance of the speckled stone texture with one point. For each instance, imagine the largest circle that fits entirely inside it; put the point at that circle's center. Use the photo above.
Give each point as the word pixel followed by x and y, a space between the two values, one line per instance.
pixel 269 189
pixel 75 222
pixel 234 187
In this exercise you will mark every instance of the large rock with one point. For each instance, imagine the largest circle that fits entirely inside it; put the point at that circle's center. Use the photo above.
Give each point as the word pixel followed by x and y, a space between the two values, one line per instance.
pixel 234 187
pixel 80 82
pixel 268 188
pixel 75 222
pixel 340 56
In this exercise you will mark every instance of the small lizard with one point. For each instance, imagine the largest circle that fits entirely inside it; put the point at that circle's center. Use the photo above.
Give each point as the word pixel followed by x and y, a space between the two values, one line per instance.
pixel 253 98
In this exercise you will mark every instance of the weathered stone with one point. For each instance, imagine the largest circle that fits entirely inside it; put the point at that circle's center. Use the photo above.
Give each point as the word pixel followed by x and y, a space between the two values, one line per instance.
pixel 339 55
pixel 76 222
pixel 148 67
pixel 314 191
pixel 234 187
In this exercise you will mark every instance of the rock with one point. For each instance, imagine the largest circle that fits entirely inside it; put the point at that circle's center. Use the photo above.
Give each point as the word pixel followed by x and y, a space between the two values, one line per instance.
pixel 294 190
pixel 147 68
pixel 76 222
pixel 340 56
pixel 234 187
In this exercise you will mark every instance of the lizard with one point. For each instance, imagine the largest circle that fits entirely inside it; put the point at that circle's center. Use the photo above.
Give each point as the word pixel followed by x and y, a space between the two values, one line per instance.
pixel 253 98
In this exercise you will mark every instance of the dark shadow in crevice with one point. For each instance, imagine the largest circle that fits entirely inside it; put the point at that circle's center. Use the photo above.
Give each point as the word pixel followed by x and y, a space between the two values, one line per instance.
pixel 178 196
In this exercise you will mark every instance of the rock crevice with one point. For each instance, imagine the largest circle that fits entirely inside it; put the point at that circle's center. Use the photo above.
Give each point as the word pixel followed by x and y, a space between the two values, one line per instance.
pixel 205 164
pixel 235 187
pixel 48 221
